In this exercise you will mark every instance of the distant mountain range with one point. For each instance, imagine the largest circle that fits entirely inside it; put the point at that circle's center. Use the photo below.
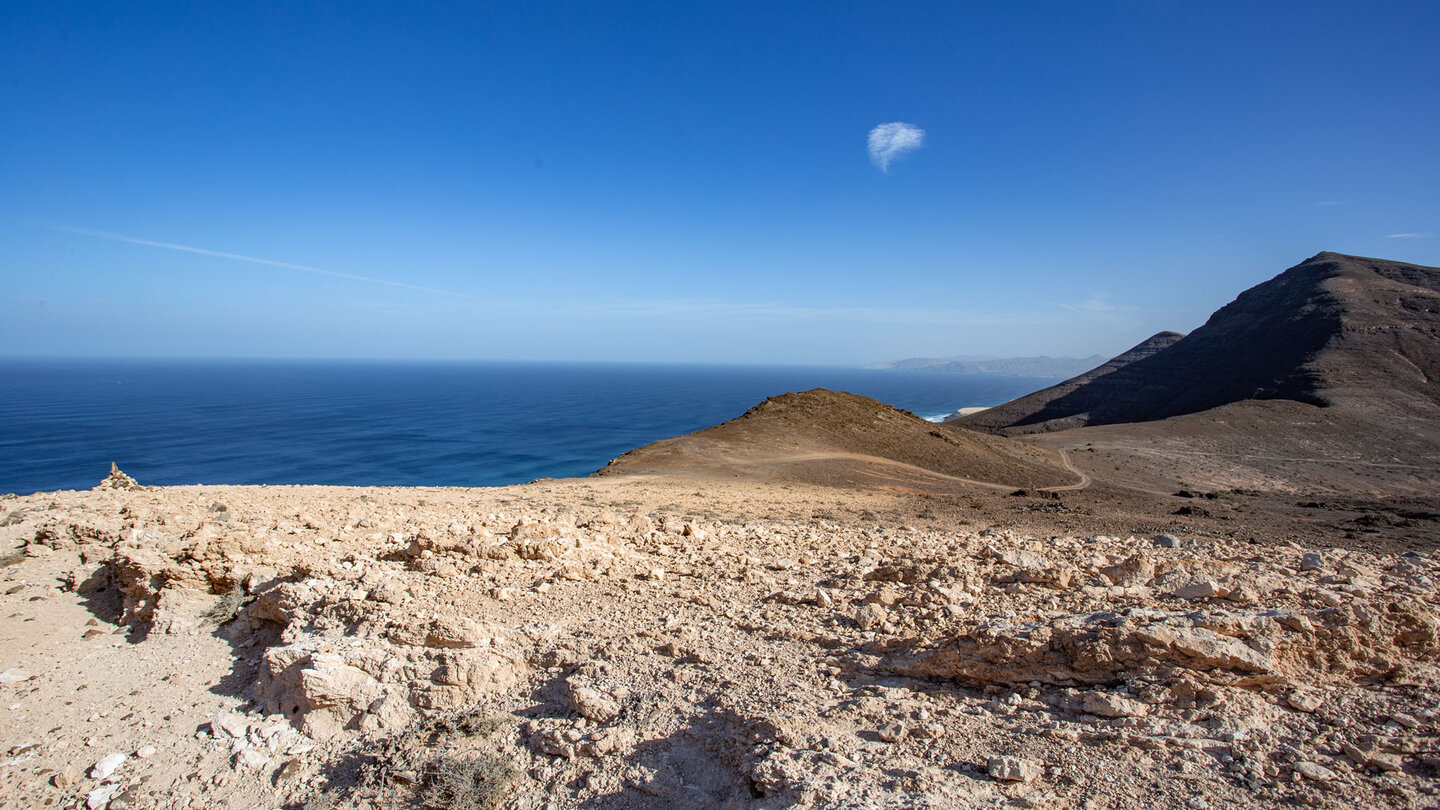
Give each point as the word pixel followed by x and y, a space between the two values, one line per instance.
pixel 1008 366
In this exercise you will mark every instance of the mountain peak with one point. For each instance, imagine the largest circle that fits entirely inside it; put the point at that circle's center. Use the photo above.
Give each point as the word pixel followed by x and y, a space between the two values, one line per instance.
pixel 1334 329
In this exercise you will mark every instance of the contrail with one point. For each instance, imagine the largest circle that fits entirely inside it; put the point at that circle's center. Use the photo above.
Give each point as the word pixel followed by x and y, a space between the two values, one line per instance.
pixel 254 260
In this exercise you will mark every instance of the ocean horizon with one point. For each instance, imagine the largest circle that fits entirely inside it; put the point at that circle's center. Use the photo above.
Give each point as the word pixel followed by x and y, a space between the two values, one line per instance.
pixel 395 423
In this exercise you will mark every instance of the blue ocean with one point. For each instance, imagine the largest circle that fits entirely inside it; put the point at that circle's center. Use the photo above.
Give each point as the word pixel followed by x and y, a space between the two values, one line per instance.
pixel 394 423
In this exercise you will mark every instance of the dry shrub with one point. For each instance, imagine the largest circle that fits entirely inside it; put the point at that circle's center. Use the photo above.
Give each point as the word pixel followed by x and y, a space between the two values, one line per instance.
pixel 452 761
pixel 228 607
pixel 479 781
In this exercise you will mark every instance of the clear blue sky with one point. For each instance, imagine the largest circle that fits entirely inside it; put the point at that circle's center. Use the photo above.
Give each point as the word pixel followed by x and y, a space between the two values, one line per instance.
pixel 690 181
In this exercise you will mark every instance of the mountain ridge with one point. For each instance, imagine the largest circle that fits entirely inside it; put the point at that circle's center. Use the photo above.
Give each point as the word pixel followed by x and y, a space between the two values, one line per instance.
pixel 1334 330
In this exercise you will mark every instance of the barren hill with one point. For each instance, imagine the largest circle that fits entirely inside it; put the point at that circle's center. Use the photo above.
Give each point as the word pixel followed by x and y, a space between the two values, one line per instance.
pixel 1359 334
pixel 832 437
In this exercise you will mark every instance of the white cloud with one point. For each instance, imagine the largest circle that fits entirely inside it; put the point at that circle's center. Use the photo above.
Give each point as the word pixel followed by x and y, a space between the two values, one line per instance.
pixel 889 141
pixel 1408 235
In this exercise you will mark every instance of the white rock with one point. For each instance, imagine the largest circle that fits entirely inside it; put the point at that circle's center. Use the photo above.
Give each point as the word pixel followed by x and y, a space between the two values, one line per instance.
pixel 1108 705
pixel 14 675
pixel 1310 770
pixel 106 766
pixel 145 751
pixel 593 704
pixel 892 732
pixel 1013 769
pixel 100 797
pixel 1201 589
pixel 233 724
pixel 251 758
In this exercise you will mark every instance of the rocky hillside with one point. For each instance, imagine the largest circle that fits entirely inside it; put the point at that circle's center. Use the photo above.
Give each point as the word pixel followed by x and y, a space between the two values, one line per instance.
pixel 1334 331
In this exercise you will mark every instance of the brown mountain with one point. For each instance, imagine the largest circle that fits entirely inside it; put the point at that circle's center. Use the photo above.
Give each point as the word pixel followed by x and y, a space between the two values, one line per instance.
pixel 837 438
pixel 1356 334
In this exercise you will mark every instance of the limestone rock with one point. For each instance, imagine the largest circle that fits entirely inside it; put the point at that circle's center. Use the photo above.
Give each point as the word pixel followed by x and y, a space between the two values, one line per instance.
pixel 1138 569
pixel 1106 704
pixel 251 759
pixel 593 704
pixel 107 766
pixel 65 777
pixel 870 616
pixel 100 797
pixel 892 732
pixel 1314 772
pixel 1098 648
pixel 1013 769
pixel 1304 700
pixel 231 724
pixel 1199 589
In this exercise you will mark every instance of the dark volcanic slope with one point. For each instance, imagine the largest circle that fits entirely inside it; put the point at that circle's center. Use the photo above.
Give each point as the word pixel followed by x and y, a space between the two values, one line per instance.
pixel 832 437
pixel 1356 333
pixel 1017 410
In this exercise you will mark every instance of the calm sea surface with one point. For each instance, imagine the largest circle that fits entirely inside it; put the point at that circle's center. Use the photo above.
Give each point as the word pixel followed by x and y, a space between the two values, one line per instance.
pixel 402 423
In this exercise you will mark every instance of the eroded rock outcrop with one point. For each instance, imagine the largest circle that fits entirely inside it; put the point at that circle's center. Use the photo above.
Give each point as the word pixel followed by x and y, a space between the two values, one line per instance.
pixel 1357 642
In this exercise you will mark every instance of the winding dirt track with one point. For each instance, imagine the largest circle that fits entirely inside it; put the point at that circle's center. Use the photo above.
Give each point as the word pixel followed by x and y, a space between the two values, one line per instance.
pixel 1084 482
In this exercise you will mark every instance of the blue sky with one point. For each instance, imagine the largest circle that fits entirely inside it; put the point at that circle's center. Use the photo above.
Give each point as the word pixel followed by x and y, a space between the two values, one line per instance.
pixel 690 181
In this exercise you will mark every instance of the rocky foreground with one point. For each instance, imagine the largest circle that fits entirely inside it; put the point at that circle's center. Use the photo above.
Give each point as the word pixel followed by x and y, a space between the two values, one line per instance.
pixel 629 642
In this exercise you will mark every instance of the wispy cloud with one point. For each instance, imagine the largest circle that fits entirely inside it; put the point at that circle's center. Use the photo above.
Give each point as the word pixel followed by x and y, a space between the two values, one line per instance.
pixel 1101 309
pixel 1097 304
pixel 304 268
pixel 889 141
pixel 1426 235
pixel 762 310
